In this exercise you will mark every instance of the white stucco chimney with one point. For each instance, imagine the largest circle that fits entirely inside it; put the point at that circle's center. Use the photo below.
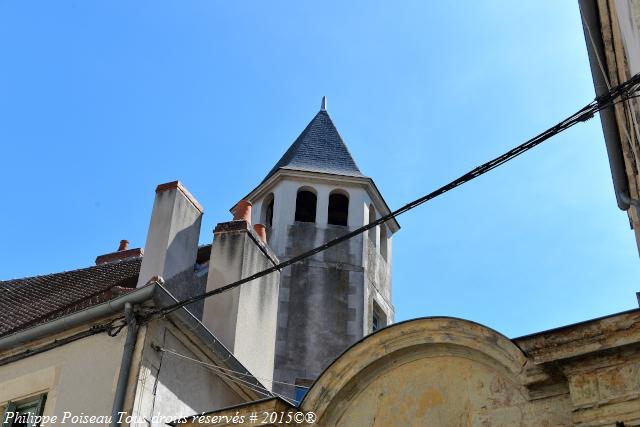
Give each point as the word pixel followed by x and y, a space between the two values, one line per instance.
pixel 172 240
pixel 245 318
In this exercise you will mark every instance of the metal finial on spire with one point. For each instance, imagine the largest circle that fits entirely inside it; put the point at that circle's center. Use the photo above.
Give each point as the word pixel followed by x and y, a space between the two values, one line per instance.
pixel 323 106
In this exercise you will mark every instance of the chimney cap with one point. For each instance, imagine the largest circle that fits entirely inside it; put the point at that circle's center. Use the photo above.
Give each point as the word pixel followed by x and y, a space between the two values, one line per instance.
pixel 124 245
pixel 177 185
pixel 242 211
pixel 261 231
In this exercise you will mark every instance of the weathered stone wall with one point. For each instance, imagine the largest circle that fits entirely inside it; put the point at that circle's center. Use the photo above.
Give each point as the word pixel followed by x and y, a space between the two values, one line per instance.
pixel 377 286
pixel 320 311
pixel 597 362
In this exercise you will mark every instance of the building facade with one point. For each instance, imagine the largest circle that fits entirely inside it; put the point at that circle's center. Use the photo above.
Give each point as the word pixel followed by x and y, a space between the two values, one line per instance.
pixel 612 34
pixel 83 347
pixel 316 338
pixel 274 335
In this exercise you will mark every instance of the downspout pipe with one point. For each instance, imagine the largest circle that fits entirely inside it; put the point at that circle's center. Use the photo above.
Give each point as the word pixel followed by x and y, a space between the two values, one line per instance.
pixel 125 365
pixel 595 51
pixel 631 202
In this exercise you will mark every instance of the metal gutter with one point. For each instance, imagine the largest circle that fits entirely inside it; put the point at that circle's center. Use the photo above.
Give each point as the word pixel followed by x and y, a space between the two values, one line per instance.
pixel 595 50
pixel 67 322
pixel 125 365
pixel 152 292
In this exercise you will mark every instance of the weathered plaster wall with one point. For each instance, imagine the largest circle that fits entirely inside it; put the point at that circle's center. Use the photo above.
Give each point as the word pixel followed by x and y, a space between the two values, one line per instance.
pixel 628 17
pixel 79 377
pixel 451 372
pixel 244 318
pixel 598 361
pixel 174 230
pixel 438 372
pixel 445 386
pixel 170 386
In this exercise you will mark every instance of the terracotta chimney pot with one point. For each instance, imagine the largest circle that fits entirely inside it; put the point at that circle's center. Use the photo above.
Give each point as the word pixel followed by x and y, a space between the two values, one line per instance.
pixel 124 245
pixel 261 231
pixel 242 211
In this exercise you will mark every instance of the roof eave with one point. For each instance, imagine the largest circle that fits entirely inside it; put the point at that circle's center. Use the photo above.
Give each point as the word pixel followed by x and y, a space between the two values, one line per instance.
pixel 70 321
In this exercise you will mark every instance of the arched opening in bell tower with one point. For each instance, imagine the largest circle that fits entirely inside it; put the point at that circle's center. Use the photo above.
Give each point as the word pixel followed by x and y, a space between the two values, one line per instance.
pixel 306 202
pixel 372 231
pixel 384 241
pixel 267 211
pixel 338 208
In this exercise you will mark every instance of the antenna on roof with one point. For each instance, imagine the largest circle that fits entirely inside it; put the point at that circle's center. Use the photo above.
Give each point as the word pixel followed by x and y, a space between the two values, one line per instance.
pixel 323 106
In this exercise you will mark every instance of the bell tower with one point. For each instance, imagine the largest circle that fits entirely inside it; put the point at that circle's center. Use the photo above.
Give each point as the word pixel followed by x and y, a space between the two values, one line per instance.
pixel 313 194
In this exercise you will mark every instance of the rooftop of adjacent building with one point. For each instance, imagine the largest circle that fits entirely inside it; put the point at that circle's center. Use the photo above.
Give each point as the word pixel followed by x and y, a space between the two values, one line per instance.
pixel 31 301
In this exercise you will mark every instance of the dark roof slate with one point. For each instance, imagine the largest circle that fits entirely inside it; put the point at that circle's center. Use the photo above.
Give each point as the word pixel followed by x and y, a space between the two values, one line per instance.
pixel 319 148
pixel 33 300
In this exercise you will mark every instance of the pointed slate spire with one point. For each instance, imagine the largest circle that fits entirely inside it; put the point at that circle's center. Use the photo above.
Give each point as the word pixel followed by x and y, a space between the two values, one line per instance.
pixel 319 148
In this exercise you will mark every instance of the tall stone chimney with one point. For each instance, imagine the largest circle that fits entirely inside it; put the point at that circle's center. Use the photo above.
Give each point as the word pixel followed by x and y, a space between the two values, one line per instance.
pixel 245 318
pixel 172 240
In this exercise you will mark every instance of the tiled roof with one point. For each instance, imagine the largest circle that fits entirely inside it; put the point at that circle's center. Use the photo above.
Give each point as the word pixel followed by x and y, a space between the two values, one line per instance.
pixel 319 148
pixel 33 300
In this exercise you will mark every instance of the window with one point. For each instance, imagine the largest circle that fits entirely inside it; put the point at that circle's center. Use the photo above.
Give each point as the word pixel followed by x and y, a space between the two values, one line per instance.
pixel 384 241
pixel 300 392
pixel 372 231
pixel 302 387
pixel 25 413
pixel 305 206
pixel 267 209
pixel 338 209
pixel 378 318
pixel 375 322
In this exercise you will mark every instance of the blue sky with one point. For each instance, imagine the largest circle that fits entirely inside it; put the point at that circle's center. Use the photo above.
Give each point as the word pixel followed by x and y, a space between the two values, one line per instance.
pixel 102 101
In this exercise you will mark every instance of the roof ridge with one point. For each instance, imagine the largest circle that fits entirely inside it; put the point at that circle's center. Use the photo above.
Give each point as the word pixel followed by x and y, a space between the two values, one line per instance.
pixel 130 259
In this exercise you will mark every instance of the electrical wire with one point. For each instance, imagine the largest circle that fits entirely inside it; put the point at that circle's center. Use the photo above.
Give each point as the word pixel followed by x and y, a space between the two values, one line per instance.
pixel 230 374
pixel 607 82
pixel 622 92
pixel 225 369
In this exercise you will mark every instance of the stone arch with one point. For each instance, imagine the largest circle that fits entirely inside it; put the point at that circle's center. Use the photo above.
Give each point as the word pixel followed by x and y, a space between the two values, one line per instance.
pixel 424 370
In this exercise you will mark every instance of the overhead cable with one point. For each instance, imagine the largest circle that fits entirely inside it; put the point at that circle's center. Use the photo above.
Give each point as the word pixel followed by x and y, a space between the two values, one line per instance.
pixel 620 93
